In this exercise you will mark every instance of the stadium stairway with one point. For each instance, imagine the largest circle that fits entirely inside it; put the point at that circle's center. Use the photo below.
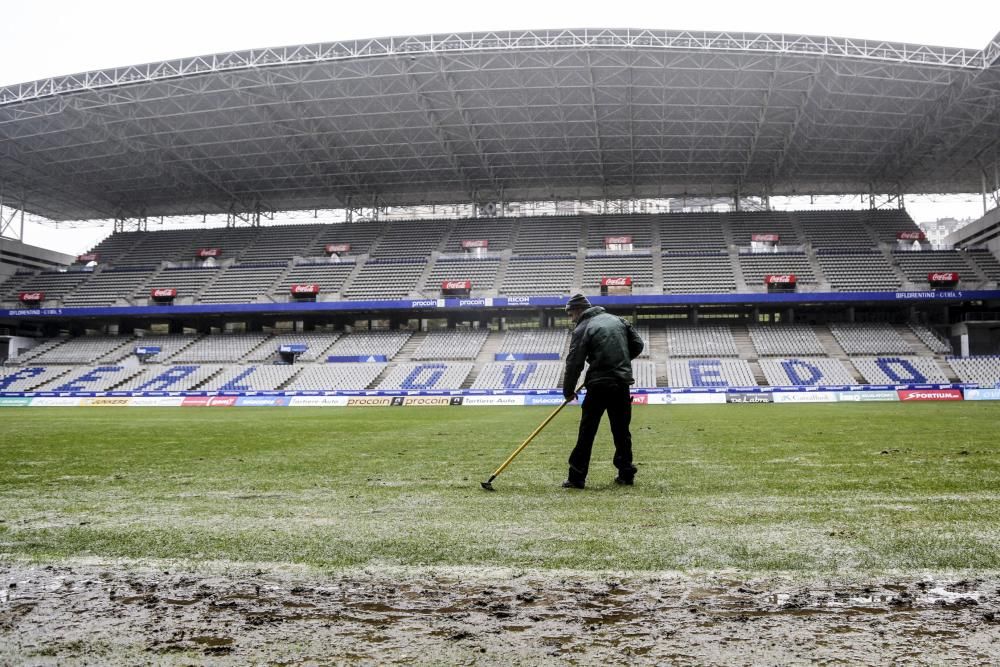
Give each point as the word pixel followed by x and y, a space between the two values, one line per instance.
pixel 747 351
pixel 921 349
pixel 270 295
pixel 505 256
pixel 896 268
pixel 487 353
pixel 425 274
pixel 822 283
pixel 658 346
pixel 835 351
pixel 349 279
pixel 409 347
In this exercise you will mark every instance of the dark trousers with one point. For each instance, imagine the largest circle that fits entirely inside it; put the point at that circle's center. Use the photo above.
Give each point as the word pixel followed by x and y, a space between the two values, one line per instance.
pixel 616 400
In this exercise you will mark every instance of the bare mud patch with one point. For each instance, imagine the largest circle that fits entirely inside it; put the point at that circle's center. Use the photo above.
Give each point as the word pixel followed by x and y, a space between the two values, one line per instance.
pixel 127 614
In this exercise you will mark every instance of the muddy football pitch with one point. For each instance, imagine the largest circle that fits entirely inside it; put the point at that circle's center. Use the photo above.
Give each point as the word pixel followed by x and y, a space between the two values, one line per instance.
pixel 755 534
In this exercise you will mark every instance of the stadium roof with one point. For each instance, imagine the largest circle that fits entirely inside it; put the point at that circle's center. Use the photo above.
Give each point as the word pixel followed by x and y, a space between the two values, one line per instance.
pixel 533 115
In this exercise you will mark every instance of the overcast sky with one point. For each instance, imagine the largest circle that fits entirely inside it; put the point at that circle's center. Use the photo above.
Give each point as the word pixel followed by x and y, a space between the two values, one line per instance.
pixel 42 38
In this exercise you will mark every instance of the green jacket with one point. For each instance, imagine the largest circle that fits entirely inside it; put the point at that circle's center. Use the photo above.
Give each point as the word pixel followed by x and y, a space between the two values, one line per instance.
pixel 608 343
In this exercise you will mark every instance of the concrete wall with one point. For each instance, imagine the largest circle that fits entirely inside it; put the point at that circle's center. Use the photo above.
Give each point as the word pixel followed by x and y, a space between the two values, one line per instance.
pixel 16 256
pixel 982 232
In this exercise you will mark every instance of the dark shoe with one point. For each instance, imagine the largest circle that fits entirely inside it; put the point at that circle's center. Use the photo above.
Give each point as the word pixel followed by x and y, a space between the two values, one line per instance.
pixel 570 484
pixel 621 481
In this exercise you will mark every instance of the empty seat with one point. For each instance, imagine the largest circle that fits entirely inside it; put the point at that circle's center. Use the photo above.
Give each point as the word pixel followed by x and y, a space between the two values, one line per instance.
pixel 701 341
pixel 683 373
pixel 423 375
pixel 813 371
pixel 463 344
pixel 785 339
pixel 520 375
pixel 899 370
pixel 332 377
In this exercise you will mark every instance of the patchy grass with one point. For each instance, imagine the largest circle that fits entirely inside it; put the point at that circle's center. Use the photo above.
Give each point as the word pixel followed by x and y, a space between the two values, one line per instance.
pixel 839 488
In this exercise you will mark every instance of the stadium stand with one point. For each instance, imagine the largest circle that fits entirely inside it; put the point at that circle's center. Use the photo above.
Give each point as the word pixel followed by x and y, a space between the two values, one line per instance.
pixel 219 348
pixel 692 232
pixel 987 263
pixel 497 232
pixel 899 370
pixel 180 377
pixel 701 341
pixel 519 375
pixel 81 350
pixel 34 352
pixel 982 370
pixel 109 286
pixel 424 375
pixel 331 377
pixel 885 223
pixel 317 343
pixel 279 243
pixel 414 238
pixel 709 373
pixel 535 341
pixel 482 273
pixel 54 284
pixel 644 332
pixel 361 236
pixel 329 275
pixel 808 372
pixel 539 275
pixel 548 236
pixel 916 265
pixel 743 225
pixel 869 339
pixel 835 229
pixel 113 248
pixel 638 266
pixel 464 344
pixel 92 378
pixel 169 346
pixel 28 378
pixel 698 272
pixel 370 343
pixel 931 339
pixel 644 373
pixel 850 270
pixel 785 339
pixel 188 281
pixel 152 248
pixel 242 283
pixel 251 378
pixel 386 279
pixel 639 227
pixel 755 266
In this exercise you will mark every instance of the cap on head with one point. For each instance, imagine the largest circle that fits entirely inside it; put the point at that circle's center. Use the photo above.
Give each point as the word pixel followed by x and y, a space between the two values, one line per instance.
pixel 577 301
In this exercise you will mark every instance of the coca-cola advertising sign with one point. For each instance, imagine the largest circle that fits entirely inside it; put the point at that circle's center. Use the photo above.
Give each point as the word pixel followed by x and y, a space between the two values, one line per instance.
pixel 456 284
pixel 624 281
pixel 781 279
pixel 88 257
pixel 163 292
pixel 930 394
pixel 305 289
pixel 910 236
pixel 765 238
pixel 617 240
pixel 204 253
pixel 475 243
pixel 942 277
pixel 337 248
pixel 32 297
